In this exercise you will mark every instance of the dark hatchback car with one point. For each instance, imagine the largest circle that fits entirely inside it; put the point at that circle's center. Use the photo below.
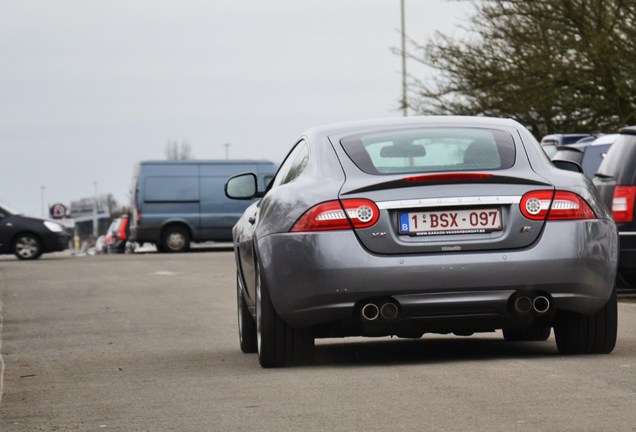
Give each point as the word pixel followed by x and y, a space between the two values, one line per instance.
pixel 616 182
pixel 28 238
pixel 422 225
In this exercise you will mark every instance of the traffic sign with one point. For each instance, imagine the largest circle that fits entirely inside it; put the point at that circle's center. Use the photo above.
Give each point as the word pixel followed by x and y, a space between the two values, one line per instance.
pixel 58 211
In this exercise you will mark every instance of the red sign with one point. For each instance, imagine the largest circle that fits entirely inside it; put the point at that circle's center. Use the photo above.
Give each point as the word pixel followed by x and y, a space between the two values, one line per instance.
pixel 58 211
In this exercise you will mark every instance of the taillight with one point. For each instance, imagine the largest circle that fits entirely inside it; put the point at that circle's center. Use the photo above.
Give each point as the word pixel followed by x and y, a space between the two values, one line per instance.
pixel 623 203
pixel 535 205
pixel 338 215
pixel 559 205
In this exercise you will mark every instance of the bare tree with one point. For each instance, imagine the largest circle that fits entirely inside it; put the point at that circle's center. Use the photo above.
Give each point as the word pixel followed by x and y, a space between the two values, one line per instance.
pixel 554 65
pixel 178 151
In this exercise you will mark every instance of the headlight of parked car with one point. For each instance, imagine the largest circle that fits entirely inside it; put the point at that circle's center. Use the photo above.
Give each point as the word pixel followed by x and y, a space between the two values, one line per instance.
pixel 55 227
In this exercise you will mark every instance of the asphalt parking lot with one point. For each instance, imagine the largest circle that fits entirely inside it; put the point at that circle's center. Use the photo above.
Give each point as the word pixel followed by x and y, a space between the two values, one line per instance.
pixel 148 342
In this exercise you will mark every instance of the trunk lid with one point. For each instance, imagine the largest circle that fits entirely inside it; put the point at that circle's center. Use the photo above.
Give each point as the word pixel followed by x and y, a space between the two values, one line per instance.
pixel 442 190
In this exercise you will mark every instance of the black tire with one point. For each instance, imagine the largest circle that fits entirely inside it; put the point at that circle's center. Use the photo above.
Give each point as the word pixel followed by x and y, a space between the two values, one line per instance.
pixel 27 247
pixel 279 344
pixel 175 239
pixel 527 334
pixel 246 323
pixel 588 334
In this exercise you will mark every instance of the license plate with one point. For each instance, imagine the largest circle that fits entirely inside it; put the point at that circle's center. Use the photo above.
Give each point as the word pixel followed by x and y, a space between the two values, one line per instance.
pixel 451 222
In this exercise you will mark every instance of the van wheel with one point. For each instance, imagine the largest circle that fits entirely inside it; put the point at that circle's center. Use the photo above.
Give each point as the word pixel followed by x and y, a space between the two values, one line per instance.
pixel 175 239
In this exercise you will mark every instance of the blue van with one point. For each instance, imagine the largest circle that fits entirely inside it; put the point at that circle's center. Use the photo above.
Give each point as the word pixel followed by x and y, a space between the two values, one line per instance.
pixel 175 203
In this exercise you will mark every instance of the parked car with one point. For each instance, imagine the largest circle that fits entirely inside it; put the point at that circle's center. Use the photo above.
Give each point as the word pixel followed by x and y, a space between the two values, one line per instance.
pixel 588 155
pixel 550 143
pixel 27 237
pixel 418 225
pixel 175 203
pixel 616 182
pixel 117 235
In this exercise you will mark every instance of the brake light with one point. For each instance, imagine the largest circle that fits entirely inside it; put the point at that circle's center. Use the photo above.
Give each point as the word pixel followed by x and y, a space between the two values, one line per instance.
pixel 339 215
pixel 623 203
pixel 559 205
pixel 535 205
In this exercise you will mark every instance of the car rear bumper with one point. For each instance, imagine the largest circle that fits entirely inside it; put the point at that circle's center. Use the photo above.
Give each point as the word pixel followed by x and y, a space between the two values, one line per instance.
pixel 320 278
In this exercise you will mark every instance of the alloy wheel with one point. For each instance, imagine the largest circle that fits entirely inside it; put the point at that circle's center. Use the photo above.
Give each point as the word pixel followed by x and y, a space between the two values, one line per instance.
pixel 27 247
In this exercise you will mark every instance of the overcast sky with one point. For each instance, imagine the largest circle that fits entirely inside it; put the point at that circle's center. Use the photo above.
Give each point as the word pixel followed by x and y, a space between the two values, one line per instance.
pixel 89 87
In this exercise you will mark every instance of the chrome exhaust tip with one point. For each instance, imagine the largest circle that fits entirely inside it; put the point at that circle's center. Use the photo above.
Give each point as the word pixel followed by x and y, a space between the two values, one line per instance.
pixel 523 304
pixel 389 311
pixel 541 304
pixel 370 312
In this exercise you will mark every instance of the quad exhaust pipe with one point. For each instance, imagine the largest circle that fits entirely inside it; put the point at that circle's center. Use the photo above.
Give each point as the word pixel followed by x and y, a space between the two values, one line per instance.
pixel 539 305
pixel 372 312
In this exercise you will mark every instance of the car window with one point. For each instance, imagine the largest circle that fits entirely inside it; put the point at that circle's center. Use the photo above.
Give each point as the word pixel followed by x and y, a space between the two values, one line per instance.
pixel 593 157
pixel 613 158
pixel 430 150
pixel 294 164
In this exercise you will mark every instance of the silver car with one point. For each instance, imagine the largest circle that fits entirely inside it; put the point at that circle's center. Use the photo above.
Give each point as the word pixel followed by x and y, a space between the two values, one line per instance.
pixel 422 225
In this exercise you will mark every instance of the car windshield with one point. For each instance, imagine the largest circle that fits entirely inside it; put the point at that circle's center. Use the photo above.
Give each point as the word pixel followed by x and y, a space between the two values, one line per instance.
pixel 430 150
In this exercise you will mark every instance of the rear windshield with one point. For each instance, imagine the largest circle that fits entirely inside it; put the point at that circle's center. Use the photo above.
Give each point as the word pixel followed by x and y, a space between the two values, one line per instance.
pixel 430 150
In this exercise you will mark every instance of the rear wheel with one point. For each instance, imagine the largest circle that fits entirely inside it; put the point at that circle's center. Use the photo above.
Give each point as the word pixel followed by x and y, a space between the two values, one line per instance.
pixel 279 344
pixel 175 239
pixel 246 323
pixel 527 334
pixel 27 247
pixel 588 334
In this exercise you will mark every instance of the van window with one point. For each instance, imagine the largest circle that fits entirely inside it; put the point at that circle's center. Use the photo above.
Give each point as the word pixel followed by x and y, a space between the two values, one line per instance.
pixel 171 189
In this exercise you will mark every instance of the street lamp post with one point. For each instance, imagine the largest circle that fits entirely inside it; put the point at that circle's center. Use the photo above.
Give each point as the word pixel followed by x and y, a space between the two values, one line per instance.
pixel 95 221
pixel 227 150
pixel 42 201
pixel 404 89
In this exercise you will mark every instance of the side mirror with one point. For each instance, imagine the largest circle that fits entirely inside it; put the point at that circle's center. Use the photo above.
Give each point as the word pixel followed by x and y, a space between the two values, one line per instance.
pixel 568 165
pixel 242 186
